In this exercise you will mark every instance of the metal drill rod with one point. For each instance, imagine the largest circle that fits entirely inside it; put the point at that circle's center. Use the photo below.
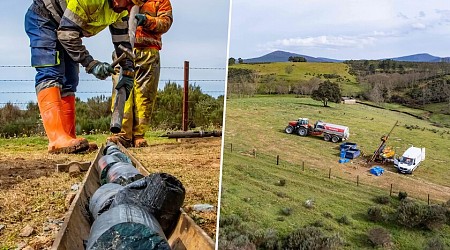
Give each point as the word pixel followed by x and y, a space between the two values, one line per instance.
pixel 119 102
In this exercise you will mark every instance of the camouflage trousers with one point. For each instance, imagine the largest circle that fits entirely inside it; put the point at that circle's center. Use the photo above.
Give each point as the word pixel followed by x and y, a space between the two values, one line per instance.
pixel 139 106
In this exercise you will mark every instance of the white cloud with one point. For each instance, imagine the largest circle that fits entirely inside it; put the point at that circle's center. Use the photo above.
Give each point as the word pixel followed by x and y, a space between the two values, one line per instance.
pixel 418 26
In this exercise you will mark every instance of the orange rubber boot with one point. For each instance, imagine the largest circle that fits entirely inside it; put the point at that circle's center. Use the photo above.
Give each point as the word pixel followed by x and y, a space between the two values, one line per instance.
pixel 49 101
pixel 68 114
pixel 68 118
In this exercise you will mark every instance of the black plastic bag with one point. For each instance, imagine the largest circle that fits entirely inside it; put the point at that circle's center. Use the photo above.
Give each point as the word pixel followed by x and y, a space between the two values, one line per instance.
pixel 160 194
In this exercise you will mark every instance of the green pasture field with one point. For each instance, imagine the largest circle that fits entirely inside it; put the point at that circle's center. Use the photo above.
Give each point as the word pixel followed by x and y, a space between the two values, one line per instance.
pixel 305 71
pixel 249 190
pixel 259 123
pixel 249 184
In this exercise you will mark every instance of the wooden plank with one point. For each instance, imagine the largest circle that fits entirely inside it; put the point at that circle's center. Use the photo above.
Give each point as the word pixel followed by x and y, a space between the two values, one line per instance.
pixel 77 225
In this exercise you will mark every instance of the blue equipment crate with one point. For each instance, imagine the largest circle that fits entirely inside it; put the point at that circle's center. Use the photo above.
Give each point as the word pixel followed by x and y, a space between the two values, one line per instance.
pixel 377 170
pixel 348 145
pixel 352 153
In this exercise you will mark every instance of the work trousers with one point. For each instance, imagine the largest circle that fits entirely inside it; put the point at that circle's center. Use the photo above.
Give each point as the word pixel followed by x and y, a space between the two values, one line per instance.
pixel 53 65
pixel 139 106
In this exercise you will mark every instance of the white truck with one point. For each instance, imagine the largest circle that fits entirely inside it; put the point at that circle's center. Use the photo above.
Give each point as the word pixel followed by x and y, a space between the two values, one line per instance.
pixel 410 160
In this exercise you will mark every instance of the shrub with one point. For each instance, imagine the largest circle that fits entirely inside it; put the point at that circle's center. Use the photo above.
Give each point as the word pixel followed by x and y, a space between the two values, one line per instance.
pixel 436 217
pixel 344 220
pixel 375 214
pixel 242 242
pixel 265 239
pixel 402 195
pixel 281 183
pixel 286 211
pixel 318 223
pixel 379 237
pixel 230 220
pixel 328 215
pixel 311 238
pixel 281 194
pixel 411 214
pixel 435 244
pixel 383 199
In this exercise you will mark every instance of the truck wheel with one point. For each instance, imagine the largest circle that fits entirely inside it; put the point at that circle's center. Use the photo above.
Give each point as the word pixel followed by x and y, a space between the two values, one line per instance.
pixel 302 132
pixel 335 138
pixel 289 129
pixel 326 137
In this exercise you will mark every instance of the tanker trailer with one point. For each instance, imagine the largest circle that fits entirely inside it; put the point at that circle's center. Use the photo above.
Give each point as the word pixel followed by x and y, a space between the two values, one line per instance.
pixel 331 132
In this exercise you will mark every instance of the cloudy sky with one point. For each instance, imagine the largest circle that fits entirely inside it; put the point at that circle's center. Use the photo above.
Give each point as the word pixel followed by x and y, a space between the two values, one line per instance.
pixel 347 29
pixel 199 35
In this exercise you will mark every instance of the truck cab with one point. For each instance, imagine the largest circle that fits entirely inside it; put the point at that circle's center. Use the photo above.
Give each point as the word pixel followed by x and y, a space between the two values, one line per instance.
pixel 410 160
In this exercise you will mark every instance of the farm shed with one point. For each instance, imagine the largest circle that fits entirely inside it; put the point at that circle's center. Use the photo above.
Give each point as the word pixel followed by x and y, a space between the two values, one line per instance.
pixel 348 100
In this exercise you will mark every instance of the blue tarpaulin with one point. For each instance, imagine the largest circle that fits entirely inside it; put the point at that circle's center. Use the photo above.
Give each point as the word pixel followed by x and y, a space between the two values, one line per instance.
pixel 348 145
pixel 377 170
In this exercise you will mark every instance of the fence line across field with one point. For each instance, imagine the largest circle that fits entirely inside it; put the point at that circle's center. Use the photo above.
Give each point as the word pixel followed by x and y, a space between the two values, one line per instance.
pixel 280 162
pixel 186 81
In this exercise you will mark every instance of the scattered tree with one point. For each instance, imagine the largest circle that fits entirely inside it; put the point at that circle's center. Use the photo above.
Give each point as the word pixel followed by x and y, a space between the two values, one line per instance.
pixel 327 91
pixel 231 61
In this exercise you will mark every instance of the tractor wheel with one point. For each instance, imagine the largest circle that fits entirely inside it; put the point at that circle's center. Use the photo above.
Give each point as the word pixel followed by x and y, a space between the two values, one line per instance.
pixel 302 132
pixel 326 137
pixel 335 138
pixel 289 129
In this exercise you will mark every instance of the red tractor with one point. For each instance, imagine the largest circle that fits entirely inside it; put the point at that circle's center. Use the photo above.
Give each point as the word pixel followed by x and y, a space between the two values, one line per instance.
pixel 331 132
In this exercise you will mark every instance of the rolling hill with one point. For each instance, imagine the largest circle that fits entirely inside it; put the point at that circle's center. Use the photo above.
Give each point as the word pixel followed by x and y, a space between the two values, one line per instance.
pixel 283 56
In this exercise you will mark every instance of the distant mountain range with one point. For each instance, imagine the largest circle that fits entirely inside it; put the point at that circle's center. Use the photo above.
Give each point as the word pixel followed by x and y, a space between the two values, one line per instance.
pixel 283 56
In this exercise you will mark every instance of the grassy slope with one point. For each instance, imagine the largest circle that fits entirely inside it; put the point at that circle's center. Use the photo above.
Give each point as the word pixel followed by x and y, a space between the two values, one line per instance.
pixel 300 71
pixel 259 123
pixel 253 180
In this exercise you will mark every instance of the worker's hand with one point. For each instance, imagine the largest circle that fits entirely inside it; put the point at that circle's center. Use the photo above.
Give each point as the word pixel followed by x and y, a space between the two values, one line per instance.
pixel 141 18
pixel 102 70
pixel 126 82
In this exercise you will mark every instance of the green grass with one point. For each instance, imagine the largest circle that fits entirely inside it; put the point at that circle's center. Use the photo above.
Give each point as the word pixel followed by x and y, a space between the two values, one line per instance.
pixel 306 71
pixel 29 144
pixel 249 191
pixel 259 122
pixel 249 184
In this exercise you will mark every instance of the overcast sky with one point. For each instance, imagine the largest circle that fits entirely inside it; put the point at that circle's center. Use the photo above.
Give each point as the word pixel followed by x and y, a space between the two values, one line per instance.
pixel 199 35
pixel 346 29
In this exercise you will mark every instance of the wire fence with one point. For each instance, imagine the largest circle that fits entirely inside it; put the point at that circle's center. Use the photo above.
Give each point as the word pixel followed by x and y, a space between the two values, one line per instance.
pixel 357 175
pixel 14 91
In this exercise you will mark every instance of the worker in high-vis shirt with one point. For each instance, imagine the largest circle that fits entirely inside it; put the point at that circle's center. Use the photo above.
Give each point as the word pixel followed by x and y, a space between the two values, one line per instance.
pixel 55 29
pixel 153 19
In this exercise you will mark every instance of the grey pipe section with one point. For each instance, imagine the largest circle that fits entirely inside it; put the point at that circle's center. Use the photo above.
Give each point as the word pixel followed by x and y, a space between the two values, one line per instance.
pixel 102 199
pixel 123 173
pixel 126 227
pixel 103 166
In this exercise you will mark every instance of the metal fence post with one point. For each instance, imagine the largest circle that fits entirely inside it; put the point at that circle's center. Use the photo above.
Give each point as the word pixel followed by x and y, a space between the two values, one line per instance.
pixel 186 96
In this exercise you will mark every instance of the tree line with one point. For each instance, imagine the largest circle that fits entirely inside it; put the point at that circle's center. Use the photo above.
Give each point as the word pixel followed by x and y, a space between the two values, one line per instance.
pixel 413 84
pixel 408 83
pixel 94 115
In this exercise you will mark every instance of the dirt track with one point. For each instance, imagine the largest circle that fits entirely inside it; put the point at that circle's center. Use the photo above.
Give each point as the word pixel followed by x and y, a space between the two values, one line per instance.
pixel 32 193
